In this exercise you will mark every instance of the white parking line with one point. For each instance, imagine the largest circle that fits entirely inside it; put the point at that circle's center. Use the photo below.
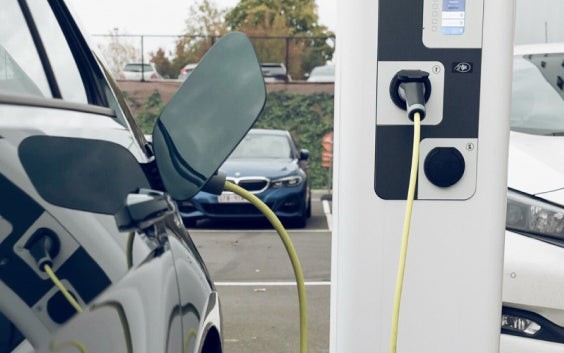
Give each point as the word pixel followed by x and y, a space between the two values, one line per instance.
pixel 269 284
pixel 328 215
pixel 291 231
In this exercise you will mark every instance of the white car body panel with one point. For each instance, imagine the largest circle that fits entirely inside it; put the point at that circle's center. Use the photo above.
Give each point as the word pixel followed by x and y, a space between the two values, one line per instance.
pixel 514 344
pixel 533 278
pixel 533 166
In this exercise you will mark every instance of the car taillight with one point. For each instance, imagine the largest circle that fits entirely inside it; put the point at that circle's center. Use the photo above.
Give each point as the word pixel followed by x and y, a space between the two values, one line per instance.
pixel 121 76
pixel 154 76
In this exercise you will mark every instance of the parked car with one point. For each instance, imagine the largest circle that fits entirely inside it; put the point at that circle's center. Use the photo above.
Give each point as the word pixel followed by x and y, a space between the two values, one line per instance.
pixel 76 175
pixel 275 72
pixel 268 164
pixel 533 305
pixel 134 72
pixel 185 71
pixel 325 73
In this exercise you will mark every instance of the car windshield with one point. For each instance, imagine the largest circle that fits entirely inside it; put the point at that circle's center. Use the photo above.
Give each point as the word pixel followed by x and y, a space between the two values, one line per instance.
pixel 538 94
pixel 259 146
pixel 137 67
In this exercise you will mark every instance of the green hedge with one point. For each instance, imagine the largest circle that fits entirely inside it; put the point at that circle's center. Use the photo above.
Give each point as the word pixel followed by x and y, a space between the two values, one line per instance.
pixel 307 117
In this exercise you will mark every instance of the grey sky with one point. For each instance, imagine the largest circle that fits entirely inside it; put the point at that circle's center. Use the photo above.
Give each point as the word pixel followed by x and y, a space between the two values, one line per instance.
pixel 158 17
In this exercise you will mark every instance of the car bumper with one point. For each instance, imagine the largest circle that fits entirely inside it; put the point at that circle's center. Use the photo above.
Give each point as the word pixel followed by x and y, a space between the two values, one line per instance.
pixel 516 344
pixel 285 203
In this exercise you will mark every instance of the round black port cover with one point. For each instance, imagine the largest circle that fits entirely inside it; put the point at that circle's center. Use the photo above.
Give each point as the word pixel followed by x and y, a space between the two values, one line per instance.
pixel 59 308
pixel 444 166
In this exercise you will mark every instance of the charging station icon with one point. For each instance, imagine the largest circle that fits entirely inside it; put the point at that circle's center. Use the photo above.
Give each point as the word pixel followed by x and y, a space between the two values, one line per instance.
pixel 462 67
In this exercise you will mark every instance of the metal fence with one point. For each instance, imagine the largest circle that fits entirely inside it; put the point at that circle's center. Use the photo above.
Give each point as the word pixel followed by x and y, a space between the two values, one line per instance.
pixel 119 49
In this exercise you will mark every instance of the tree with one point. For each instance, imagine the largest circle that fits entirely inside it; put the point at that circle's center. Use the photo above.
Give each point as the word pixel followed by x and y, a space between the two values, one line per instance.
pixel 119 51
pixel 284 18
pixel 205 22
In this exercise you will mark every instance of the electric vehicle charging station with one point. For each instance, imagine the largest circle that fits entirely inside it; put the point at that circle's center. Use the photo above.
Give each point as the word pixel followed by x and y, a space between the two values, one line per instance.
pixel 453 277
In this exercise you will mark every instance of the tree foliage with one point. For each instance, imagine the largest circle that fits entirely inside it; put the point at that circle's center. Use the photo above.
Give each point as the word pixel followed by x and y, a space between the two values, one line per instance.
pixel 152 109
pixel 268 22
pixel 205 22
pixel 284 18
pixel 308 118
pixel 118 51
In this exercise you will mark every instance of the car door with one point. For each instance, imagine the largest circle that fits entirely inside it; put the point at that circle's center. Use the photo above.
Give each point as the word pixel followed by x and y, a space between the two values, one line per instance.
pixel 53 92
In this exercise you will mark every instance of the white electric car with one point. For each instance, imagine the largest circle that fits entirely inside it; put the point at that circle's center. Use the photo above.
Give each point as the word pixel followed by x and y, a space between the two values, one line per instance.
pixel 85 199
pixel 533 299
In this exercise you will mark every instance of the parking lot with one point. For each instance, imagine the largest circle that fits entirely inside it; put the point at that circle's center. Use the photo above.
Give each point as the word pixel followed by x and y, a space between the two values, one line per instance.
pixel 255 280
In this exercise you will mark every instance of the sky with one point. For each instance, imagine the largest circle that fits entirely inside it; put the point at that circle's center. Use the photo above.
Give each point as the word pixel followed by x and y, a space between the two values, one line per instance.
pixel 158 17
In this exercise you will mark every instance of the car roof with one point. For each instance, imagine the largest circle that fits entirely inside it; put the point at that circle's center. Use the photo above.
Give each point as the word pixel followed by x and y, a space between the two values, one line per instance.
pixel 538 48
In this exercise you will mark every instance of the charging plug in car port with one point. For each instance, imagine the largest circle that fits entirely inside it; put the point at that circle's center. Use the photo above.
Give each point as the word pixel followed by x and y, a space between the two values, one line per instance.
pixel 44 245
pixel 410 90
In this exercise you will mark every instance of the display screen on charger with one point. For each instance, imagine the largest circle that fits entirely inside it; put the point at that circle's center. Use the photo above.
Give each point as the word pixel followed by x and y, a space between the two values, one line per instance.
pixel 453 17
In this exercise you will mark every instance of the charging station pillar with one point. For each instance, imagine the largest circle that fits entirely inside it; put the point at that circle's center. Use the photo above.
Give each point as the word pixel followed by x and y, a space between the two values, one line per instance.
pixel 452 290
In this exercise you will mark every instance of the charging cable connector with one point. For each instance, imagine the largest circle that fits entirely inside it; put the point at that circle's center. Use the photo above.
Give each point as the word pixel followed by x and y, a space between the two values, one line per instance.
pixel 44 245
pixel 410 90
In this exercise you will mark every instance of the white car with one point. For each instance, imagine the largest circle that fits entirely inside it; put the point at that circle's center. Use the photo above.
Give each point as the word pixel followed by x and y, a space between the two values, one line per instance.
pixel 93 254
pixel 134 72
pixel 185 71
pixel 533 312
pixel 325 73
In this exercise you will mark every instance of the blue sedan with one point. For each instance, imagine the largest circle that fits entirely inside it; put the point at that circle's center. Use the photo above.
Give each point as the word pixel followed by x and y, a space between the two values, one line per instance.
pixel 268 164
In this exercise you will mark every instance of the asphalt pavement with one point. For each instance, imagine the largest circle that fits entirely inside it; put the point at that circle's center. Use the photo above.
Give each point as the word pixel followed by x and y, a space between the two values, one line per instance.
pixel 255 280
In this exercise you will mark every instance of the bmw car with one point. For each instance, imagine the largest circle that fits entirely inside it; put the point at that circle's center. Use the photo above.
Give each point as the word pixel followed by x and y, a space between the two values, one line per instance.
pixel 533 304
pixel 268 164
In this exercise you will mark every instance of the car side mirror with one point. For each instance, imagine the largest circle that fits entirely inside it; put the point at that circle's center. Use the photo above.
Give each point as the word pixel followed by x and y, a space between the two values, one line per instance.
pixel 144 209
pixel 208 116
pixel 304 155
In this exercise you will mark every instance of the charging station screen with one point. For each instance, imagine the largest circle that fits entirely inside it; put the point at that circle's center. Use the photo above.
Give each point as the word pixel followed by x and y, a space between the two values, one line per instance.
pixel 453 17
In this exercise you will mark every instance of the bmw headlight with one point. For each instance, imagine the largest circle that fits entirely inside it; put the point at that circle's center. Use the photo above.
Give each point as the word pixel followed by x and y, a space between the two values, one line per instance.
pixel 294 180
pixel 529 214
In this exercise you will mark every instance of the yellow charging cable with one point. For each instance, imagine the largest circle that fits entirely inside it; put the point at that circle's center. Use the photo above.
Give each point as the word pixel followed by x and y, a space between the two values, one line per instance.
pixel 62 288
pixel 129 250
pixel 291 252
pixel 406 228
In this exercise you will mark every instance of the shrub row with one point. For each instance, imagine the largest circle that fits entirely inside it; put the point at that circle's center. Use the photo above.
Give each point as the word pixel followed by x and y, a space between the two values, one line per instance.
pixel 307 117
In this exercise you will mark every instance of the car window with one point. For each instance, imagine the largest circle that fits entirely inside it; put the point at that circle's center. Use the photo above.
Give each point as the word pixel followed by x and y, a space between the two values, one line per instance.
pixel 257 146
pixel 60 56
pixel 21 71
pixel 538 89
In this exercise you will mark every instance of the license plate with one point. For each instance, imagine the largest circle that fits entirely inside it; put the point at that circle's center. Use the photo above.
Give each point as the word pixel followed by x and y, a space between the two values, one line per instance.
pixel 230 198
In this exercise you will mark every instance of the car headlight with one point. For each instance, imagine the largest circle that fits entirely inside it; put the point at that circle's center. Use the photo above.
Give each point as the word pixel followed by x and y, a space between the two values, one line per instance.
pixel 287 181
pixel 519 325
pixel 522 323
pixel 529 214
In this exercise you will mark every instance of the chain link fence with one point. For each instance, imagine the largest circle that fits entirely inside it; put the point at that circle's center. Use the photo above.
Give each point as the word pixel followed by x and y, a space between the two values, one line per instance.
pixel 170 53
